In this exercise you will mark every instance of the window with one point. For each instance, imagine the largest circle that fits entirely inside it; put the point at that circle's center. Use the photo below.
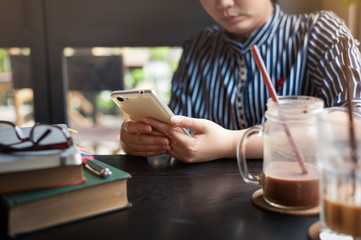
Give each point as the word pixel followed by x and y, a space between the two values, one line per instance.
pixel 16 94
pixel 93 73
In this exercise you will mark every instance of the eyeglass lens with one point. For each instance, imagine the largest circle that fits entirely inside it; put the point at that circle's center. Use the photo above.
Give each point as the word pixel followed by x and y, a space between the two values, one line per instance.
pixel 8 134
pixel 47 134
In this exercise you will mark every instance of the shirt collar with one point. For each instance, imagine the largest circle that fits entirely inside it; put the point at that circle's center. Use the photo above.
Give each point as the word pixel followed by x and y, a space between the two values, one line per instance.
pixel 258 37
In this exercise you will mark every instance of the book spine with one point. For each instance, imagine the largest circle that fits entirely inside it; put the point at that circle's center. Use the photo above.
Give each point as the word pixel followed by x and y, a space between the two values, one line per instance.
pixel 49 186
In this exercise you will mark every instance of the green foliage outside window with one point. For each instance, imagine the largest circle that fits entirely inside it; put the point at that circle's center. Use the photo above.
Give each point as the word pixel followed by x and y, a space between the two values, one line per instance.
pixel 4 61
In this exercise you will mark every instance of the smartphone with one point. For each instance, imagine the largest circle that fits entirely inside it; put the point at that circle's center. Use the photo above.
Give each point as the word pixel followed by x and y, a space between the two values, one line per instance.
pixel 139 104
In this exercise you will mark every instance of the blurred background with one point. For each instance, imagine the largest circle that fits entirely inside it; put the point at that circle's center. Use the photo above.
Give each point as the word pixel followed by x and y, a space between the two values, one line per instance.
pixel 61 59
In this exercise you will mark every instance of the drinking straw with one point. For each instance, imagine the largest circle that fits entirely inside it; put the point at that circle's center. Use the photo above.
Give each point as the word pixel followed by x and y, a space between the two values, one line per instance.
pixel 273 94
pixel 349 107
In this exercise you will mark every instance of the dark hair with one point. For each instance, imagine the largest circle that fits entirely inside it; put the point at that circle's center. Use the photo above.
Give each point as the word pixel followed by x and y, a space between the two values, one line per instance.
pixel 274 1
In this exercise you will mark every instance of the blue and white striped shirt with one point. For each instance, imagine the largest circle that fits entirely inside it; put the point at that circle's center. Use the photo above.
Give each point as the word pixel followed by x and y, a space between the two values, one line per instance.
pixel 218 79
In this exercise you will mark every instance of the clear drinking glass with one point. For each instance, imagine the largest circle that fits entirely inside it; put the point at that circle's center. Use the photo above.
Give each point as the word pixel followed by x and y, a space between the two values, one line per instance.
pixel 291 123
pixel 340 190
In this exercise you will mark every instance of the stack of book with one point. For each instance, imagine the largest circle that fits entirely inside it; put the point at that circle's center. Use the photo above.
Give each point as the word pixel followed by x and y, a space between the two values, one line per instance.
pixel 40 189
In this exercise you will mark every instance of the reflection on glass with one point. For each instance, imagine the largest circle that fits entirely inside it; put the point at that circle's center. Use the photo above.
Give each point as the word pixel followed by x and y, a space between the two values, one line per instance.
pixel 93 73
pixel 16 94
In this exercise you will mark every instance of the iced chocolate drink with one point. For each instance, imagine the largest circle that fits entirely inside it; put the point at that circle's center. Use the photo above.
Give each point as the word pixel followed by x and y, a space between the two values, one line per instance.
pixel 285 185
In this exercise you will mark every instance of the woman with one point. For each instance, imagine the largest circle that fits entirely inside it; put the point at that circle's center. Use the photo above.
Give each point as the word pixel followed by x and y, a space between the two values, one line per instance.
pixel 220 89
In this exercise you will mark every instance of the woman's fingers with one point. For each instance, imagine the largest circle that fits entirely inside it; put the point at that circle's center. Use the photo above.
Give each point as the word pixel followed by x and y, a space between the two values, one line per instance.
pixel 142 140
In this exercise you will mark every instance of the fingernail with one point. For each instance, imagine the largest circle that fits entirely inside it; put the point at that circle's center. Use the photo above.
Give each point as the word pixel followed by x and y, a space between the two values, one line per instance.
pixel 164 141
pixel 176 120
pixel 148 129
pixel 125 126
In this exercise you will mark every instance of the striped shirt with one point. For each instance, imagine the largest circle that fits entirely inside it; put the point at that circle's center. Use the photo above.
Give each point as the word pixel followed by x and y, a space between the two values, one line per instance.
pixel 218 79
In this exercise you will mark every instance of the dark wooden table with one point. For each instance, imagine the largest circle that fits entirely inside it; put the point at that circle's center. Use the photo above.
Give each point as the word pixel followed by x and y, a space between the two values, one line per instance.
pixel 174 200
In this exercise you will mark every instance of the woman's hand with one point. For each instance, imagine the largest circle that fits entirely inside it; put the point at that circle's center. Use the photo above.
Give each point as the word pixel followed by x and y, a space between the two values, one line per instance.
pixel 140 139
pixel 208 142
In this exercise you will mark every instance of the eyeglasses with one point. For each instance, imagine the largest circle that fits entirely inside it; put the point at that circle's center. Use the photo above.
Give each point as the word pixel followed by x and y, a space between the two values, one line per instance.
pixel 39 137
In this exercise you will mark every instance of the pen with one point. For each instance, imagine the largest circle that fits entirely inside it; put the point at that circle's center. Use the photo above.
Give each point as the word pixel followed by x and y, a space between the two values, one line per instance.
pixel 97 169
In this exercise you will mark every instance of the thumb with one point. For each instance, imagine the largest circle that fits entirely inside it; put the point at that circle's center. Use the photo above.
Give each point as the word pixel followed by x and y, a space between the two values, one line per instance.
pixel 187 122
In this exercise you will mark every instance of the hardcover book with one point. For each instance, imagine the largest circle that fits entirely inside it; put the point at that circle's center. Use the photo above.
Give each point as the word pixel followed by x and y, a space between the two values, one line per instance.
pixel 33 170
pixel 34 210
pixel 41 178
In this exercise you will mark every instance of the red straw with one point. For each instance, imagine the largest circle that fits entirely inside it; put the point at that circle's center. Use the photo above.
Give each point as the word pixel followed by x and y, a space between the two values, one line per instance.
pixel 272 92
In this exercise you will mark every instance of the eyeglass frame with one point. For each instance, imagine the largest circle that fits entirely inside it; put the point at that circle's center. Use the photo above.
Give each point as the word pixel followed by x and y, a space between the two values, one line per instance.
pixel 36 146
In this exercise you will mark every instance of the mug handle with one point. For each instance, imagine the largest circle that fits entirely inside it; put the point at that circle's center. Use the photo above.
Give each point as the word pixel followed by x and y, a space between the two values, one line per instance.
pixel 241 156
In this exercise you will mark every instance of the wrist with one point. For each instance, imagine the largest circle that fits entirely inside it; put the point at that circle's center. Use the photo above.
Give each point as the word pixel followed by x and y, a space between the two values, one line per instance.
pixel 229 148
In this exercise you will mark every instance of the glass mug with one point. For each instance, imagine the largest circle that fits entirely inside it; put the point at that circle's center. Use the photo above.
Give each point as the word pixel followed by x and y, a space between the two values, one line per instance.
pixel 340 190
pixel 285 185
